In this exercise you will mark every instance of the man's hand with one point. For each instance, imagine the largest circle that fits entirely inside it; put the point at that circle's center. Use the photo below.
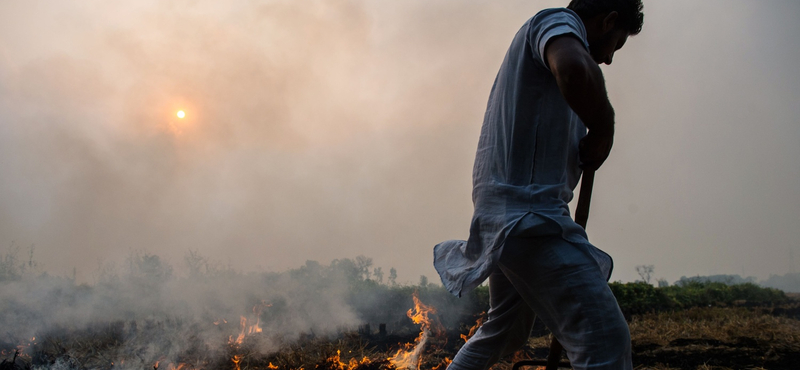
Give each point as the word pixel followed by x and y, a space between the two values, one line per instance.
pixel 594 149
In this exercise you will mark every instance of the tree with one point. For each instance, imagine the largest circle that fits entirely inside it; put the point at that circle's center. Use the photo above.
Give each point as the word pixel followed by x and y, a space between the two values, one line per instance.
pixel 378 274
pixel 645 271
pixel 197 264
pixel 392 276
pixel 362 264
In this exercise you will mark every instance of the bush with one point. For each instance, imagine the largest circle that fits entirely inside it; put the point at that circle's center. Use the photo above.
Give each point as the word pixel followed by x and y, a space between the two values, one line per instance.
pixel 640 297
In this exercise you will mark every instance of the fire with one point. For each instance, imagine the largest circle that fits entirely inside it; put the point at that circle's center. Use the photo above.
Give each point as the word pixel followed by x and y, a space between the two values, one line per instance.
pixel 171 366
pixel 335 362
pixel 445 363
pixel 252 329
pixel 236 359
pixel 474 328
pixel 409 358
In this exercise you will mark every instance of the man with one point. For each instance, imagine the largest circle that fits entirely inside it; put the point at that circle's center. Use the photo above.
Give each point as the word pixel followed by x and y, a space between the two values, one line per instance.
pixel 533 145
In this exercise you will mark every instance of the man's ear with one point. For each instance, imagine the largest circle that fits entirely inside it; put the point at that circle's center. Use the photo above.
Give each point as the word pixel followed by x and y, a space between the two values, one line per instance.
pixel 609 21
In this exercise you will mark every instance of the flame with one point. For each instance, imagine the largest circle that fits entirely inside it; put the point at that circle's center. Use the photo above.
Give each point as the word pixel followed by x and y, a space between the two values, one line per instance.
pixel 236 359
pixel 474 328
pixel 271 366
pixel 409 358
pixel 257 312
pixel 243 323
pixel 445 363
pixel 170 366
pixel 247 330
pixel 335 362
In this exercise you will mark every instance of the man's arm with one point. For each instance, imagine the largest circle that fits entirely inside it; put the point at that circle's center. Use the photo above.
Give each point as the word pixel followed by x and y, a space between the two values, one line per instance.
pixel 581 83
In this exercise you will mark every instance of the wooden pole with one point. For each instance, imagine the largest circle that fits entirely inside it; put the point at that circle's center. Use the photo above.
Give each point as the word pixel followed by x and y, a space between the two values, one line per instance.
pixel 581 217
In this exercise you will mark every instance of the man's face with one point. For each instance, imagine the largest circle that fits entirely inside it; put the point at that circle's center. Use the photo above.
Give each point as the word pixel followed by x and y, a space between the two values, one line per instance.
pixel 603 49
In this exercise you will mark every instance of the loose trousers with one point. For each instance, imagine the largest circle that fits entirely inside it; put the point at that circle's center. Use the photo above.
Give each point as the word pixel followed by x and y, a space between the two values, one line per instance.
pixel 561 283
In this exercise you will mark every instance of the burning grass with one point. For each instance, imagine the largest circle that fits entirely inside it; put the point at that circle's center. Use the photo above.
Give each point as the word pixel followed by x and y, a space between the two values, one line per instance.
pixel 712 338
pixel 316 317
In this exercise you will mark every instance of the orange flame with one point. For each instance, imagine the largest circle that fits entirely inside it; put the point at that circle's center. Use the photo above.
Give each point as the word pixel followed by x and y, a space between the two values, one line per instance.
pixel 240 338
pixel 475 327
pixel 335 362
pixel 445 363
pixel 171 366
pixel 236 359
pixel 411 358
pixel 252 329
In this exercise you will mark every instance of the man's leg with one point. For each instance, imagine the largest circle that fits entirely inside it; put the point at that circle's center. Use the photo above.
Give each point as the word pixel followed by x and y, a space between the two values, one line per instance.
pixel 507 328
pixel 562 282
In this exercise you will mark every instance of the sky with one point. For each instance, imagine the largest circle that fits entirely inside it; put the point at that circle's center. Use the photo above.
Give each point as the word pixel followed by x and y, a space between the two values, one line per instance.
pixel 321 130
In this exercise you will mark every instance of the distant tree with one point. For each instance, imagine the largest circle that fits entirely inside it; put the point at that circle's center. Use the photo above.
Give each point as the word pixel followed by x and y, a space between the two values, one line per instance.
pixel 663 283
pixel 788 283
pixel 645 272
pixel 378 274
pixel 392 276
pixel 197 264
pixel 149 266
pixel 363 264
pixel 724 279
pixel 347 267
pixel 423 281
pixel 10 268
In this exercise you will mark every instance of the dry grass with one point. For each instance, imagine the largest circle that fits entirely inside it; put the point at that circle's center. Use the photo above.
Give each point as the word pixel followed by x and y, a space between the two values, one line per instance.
pixel 707 339
pixel 695 339
pixel 722 324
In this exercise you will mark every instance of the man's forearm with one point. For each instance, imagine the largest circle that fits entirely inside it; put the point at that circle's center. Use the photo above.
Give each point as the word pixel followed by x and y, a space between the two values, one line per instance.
pixel 583 87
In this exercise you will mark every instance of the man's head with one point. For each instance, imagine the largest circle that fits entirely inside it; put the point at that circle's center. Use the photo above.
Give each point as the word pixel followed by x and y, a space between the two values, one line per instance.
pixel 608 24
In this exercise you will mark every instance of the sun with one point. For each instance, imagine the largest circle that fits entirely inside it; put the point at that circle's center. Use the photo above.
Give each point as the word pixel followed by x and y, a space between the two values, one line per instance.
pixel 181 114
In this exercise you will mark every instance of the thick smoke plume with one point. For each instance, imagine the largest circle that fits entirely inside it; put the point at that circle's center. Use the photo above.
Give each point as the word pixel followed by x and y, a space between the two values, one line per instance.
pixel 143 312
pixel 306 124
pixel 322 129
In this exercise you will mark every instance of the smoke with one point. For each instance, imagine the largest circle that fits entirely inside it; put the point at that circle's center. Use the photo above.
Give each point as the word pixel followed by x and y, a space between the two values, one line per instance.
pixel 331 129
pixel 307 128
pixel 144 312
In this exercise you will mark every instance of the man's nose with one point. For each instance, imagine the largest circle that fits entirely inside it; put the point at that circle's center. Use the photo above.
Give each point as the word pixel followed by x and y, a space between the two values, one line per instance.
pixel 608 59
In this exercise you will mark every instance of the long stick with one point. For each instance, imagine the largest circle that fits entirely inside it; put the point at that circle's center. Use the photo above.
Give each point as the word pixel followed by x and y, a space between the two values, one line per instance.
pixel 584 198
pixel 581 216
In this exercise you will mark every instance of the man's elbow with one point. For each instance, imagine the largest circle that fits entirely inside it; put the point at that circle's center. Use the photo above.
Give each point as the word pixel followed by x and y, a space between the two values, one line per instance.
pixel 571 72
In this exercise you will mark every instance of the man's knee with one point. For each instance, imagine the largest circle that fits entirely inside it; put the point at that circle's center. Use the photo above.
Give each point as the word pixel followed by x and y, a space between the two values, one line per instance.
pixel 612 345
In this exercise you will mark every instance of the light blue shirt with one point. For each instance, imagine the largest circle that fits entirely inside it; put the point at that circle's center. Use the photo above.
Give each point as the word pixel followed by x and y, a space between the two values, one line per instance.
pixel 526 166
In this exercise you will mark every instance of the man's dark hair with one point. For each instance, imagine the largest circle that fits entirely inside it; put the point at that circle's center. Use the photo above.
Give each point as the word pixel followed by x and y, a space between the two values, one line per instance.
pixel 630 18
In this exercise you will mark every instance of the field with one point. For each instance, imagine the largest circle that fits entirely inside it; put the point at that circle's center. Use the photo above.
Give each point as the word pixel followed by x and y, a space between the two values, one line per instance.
pixel 342 317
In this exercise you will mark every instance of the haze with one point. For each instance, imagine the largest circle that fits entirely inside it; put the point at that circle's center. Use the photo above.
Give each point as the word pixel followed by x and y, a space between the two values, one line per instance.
pixel 318 130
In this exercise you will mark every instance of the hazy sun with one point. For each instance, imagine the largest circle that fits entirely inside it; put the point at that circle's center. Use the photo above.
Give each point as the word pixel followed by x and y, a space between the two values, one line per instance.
pixel 181 114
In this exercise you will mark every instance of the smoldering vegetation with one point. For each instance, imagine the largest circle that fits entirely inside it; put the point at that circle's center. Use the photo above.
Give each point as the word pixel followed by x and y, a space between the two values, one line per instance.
pixel 144 311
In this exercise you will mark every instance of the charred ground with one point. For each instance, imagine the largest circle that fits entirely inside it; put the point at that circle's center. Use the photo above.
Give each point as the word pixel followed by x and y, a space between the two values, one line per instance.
pixel 344 316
